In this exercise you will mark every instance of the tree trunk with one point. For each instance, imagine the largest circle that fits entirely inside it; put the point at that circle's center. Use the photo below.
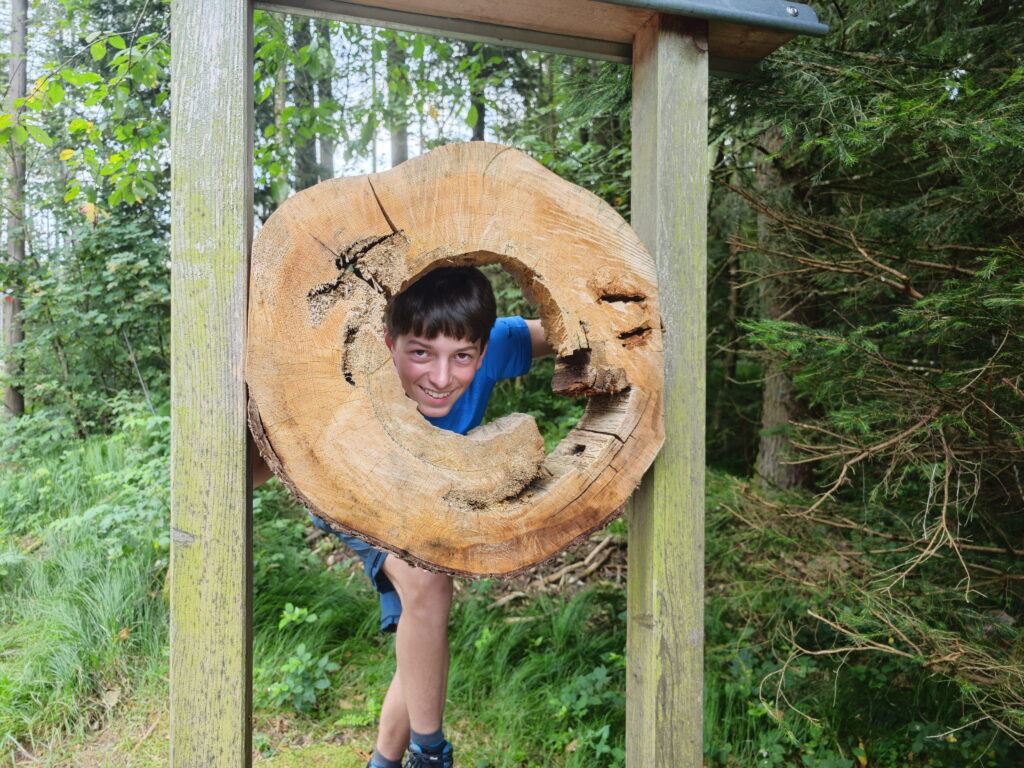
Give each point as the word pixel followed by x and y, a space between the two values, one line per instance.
pixel 14 400
pixel 330 415
pixel 477 83
pixel 729 356
pixel 325 95
pixel 306 169
pixel 476 101
pixel 398 120
pixel 780 301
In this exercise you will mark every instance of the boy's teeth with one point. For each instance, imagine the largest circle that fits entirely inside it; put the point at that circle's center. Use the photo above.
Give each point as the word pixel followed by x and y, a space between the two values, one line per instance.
pixel 437 395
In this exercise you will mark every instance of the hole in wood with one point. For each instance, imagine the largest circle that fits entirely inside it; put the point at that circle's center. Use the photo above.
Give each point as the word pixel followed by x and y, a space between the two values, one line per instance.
pixel 332 419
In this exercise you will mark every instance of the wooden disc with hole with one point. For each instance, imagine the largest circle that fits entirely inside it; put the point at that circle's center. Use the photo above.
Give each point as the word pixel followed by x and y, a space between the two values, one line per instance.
pixel 327 409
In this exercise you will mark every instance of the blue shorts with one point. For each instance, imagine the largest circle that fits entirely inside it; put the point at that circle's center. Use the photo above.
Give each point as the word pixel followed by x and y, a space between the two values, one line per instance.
pixel 373 567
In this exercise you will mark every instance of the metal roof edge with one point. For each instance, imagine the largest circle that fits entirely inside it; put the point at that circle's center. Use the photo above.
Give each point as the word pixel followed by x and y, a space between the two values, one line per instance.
pixel 798 18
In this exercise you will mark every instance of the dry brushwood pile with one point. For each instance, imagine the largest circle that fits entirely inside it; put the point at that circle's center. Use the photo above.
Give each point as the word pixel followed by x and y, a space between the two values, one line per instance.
pixel 327 409
pixel 599 559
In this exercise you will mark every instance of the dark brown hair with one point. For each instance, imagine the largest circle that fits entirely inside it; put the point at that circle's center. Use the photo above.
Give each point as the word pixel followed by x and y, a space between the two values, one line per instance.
pixel 451 301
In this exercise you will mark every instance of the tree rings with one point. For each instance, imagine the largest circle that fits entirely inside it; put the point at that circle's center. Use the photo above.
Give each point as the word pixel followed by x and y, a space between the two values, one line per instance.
pixel 327 409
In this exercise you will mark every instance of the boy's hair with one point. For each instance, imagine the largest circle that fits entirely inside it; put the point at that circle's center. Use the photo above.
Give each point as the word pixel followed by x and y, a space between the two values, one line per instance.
pixel 451 301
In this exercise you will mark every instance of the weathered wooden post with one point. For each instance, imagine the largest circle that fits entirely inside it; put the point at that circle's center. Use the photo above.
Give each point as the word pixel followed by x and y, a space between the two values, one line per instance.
pixel 673 44
pixel 211 226
pixel 665 629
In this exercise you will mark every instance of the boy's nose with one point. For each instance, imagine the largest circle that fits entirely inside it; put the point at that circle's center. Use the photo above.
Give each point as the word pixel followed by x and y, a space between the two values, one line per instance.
pixel 440 375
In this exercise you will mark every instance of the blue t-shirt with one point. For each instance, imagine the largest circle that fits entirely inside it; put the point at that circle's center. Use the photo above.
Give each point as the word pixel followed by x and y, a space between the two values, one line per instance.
pixel 509 354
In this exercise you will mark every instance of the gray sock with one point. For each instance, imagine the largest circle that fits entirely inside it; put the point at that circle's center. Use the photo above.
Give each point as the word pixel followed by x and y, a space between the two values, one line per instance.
pixel 428 740
pixel 379 761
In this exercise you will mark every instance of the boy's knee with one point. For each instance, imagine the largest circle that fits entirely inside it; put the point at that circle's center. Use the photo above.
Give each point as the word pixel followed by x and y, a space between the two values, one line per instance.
pixel 421 590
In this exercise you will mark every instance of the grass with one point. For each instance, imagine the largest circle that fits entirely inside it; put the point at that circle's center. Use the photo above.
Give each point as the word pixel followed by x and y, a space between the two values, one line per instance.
pixel 83 632
pixel 82 622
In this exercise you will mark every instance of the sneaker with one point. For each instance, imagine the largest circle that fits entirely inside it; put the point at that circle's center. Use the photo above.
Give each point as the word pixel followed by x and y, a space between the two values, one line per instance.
pixel 420 758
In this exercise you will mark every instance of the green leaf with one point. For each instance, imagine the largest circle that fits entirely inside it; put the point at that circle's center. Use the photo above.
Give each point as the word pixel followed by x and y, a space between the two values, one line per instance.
pixel 279 189
pixel 98 50
pixel 20 134
pixel 55 92
pixel 117 42
pixel 471 118
pixel 72 77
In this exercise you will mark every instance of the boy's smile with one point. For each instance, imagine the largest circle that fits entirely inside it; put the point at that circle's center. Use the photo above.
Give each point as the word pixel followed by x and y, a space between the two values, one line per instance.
pixel 435 372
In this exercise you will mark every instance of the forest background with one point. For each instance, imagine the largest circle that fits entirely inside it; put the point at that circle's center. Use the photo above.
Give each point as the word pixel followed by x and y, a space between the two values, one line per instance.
pixel 865 396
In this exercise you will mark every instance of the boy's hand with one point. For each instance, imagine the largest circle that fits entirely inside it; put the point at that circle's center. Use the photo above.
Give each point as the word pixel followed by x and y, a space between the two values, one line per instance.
pixel 538 341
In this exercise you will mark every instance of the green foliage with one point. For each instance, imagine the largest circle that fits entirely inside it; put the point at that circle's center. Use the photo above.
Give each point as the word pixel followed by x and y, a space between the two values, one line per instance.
pixel 804 666
pixel 98 320
pixel 562 657
pixel 114 154
pixel 301 678
pixel 83 529
pixel 293 615
pixel 576 122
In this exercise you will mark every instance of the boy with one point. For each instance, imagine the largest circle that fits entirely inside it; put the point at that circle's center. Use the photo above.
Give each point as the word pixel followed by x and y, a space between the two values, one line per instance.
pixel 449 350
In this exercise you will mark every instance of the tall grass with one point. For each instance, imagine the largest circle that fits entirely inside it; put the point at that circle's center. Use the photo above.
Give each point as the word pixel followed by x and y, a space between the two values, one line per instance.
pixel 77 637
pixel 84 553
pixel 83 629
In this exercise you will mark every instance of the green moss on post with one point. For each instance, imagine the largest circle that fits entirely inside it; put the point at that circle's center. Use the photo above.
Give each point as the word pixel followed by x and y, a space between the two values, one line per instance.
pixel 211 225
pixel 666 526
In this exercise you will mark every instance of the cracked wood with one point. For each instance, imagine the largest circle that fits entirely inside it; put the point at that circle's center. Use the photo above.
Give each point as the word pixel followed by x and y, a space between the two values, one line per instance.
pixel 330 415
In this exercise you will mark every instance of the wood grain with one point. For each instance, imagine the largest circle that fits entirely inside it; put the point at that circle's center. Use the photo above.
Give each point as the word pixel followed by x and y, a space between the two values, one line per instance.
pixel 329 412
pixel 211 222
pixel 664 683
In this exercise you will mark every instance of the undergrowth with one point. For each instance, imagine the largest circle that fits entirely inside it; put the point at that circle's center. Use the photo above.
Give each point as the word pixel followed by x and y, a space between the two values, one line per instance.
pixel 815 658
pixel 809 660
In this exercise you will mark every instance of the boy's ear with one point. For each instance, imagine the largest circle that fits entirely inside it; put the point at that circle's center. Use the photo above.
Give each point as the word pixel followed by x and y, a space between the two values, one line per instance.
pixel 387 338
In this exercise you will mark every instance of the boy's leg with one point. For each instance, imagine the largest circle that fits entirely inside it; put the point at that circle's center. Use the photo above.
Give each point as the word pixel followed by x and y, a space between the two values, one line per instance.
pixel 393 735
pixel 421 642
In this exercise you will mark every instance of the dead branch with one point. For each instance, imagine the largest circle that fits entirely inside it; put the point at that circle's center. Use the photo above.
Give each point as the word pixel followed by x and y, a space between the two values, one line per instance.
pixel 868 453
pixel 868 645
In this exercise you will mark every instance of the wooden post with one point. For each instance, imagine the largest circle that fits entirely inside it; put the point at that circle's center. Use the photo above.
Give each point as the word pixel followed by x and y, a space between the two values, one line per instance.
pixel 211 226
pixel 664 686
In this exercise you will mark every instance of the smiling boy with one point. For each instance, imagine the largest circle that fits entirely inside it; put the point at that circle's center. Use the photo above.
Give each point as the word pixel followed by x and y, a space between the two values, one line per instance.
pixel 449 350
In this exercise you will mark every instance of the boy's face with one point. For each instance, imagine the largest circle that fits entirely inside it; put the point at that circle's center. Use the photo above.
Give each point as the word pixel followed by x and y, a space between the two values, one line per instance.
pixel 435 372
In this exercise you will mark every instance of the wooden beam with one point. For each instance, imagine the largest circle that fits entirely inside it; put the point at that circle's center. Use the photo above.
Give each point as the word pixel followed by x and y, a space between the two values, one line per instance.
pixel 589 28
pixel 664 687
pixel 211 225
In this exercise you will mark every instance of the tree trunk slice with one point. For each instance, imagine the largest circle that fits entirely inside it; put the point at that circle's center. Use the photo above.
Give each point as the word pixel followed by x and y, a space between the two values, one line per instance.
pixel 327 409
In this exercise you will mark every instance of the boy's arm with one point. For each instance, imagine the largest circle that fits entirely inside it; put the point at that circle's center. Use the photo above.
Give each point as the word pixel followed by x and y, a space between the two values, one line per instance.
pixel 260 471
pixel 538 342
